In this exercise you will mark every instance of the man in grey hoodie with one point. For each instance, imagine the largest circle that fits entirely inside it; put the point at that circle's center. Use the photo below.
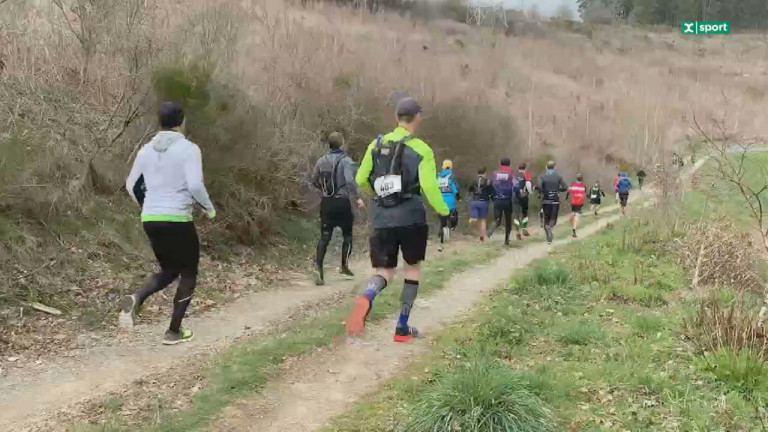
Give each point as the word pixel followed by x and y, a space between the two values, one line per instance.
pixel 173 173
pixel 334 177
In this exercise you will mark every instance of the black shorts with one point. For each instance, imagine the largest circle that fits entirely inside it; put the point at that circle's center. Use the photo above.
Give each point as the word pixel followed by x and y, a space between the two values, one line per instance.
pixel 595 201
pixel 451 221
pixel 336 212
pixel 576 208
pixel 176 246
pixel 385 243
pixel 623 198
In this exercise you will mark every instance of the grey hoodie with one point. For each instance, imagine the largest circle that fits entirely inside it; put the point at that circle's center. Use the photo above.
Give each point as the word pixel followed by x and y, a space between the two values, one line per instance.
pixel 173 172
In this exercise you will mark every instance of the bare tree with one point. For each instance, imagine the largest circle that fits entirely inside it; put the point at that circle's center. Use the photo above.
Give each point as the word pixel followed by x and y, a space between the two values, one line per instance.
pixel 730 154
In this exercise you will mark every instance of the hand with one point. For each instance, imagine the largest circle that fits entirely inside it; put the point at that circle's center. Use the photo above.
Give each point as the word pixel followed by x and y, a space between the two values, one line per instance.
pixel 360 203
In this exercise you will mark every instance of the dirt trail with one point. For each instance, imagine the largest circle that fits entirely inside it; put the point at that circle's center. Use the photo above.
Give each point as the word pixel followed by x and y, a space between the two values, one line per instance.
pixel 323 385
pixel 31 392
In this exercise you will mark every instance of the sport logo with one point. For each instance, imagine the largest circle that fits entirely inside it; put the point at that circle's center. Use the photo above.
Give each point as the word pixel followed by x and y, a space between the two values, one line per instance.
pixel 705 27
pixel 688 27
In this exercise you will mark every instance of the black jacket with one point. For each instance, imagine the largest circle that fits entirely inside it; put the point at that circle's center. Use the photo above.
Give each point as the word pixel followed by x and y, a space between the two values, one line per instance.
pixel 550 187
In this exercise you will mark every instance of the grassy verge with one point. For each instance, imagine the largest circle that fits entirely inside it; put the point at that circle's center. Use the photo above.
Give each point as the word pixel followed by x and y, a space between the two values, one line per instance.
pixel 245 368
pixel 593 335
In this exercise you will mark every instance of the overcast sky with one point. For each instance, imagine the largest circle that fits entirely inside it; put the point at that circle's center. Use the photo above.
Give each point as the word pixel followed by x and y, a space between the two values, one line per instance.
pixel 547 7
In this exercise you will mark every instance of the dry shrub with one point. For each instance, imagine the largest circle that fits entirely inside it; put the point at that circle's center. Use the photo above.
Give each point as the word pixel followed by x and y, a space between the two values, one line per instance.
pixel 717 326
pixel 717 254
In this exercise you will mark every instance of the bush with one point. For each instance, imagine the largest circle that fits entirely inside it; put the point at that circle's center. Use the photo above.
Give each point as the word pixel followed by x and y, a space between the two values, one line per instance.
pixel 742 371
pixel 480 396
pixel 715 326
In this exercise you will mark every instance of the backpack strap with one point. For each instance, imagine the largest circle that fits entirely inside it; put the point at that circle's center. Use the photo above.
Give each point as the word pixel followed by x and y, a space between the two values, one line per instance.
pixel 334 173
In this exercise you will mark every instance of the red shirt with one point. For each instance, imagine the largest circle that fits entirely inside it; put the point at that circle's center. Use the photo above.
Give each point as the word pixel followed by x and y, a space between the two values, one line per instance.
pixel 578 193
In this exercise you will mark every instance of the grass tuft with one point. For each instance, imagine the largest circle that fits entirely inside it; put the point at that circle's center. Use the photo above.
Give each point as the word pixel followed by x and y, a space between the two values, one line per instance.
pixel 480 396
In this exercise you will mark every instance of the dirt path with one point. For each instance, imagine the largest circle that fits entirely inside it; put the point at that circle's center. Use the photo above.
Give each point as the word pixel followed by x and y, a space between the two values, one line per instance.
pixel 30 392
pixel 321 386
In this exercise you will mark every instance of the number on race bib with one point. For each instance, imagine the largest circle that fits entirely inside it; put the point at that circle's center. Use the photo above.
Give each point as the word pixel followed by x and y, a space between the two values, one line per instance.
pixel 444 182
pixel 388 185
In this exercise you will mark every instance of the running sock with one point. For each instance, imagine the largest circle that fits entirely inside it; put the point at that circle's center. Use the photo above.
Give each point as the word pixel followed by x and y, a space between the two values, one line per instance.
pixel 180 302
pixel 525 223
pixel 346 251
pixel 375 285
pixel 410 290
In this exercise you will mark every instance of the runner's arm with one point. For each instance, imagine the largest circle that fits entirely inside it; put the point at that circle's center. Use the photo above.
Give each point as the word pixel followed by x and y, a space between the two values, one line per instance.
pixel 364 172
pixel 428 178
pixel 133 177
pixel 193 173
pixel 563 186
pixel 529 187
pixel 349 177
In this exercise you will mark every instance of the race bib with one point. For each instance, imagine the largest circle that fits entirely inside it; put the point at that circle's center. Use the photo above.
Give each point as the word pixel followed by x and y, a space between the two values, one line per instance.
pixel 444 182
pixel 388 185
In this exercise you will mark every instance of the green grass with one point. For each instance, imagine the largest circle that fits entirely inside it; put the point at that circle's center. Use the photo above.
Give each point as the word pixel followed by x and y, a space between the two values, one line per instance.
pixel 481 395
pixel 244 368
pixel 600 363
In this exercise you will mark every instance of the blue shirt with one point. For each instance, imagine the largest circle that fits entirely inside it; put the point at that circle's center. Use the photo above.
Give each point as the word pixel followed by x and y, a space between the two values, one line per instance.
pixel 448 188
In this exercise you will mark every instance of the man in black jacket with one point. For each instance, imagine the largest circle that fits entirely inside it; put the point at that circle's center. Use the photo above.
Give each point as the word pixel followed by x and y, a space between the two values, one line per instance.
pixel 550 187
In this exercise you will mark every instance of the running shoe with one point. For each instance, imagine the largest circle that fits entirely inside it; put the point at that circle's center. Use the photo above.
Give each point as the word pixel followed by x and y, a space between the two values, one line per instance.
pixel 347 272
pixel 526 233
pixel 174 338
pixel 550 236
pixel 356 321
pixel 319 280
pixel 519 236
pixel 128 306
pixel 574 235
pixel 440 248
pixel 405 334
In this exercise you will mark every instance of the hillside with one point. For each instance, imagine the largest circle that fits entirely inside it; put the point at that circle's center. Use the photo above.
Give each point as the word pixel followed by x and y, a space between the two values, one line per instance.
pixel 261 80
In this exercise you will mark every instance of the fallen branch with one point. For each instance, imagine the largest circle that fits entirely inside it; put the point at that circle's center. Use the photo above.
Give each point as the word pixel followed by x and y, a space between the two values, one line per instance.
pixel 43 308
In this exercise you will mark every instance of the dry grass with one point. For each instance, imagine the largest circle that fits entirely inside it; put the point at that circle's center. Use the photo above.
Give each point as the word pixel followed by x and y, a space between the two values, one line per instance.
pixel 78 86
pixel 717 254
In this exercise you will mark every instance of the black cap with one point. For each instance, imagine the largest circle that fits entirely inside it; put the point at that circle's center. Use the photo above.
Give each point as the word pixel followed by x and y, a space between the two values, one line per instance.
pixel 170 115
pixel 407 107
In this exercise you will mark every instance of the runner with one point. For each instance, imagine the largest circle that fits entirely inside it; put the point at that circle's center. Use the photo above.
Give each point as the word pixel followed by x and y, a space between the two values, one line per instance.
pixel 173 171
pixel 595 197
pixel 623 187
pixel 640 178
pixel 334 177
pixel 503 191
pixel 616 186
pixel 400 169
pixel 578 193
pixel 451 196
pixel 481 192
pixel 550 187
pixel 523 190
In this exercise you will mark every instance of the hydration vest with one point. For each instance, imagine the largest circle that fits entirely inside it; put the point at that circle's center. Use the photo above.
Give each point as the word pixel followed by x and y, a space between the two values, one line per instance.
pixel 503 184
pixel 328 181
pixel 387 177
pixel 519 181
pixel 578 193
pixel 594 193
pixel 444 182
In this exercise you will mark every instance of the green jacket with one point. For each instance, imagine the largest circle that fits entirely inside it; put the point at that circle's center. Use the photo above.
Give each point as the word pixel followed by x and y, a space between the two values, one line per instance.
pixel 419 158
